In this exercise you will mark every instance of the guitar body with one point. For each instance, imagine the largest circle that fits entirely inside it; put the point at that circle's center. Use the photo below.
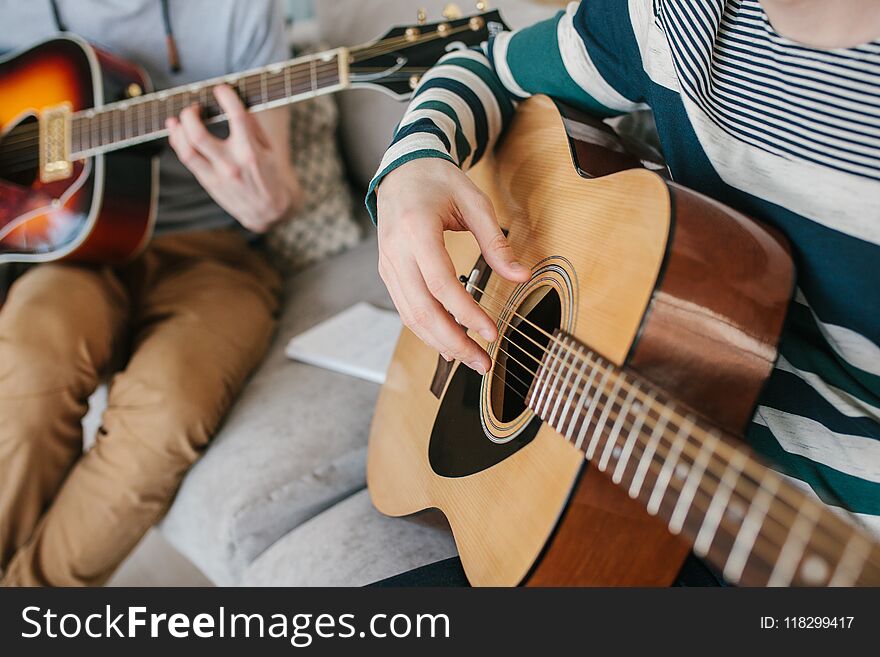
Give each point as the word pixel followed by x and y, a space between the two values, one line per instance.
pixel 652 277
pixel 105 210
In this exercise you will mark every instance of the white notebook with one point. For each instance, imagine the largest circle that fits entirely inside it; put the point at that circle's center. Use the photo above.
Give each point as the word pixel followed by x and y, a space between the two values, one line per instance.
pixel 358 341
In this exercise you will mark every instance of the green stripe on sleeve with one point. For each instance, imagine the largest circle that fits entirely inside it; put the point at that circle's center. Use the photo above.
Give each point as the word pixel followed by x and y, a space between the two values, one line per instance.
pixel 804 346
pixel 491 80
pixel 461 142
pixel 536 64
pixel 832 486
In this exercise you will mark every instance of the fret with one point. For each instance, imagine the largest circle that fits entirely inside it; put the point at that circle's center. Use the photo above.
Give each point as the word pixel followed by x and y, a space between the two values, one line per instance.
pixel 546 373
pixel 792 552
pixel 635 487
pixel 586 357
pixel 670 463
pixel 610 444
pixel 594 402
pixel 287 81
pixel 127 127
pixel 240 86
pixel 718 505
pixel 603 417
pixel 105 129
pixel 141 119
pixel 94 137
pixel 686 497
pixel 857 551
pixel 634 434
pixel 561 362
pixel 82 136
pixel 751 526
pixel 552 419
pixel 313 72
pixel 576 414
pixel 263 88
pixel 114 124
pixel 166 108
pixel 154 116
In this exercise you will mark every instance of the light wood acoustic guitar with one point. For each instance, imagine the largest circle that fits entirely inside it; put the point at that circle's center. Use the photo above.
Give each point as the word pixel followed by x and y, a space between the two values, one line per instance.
pixel 603 444
pixel 79 129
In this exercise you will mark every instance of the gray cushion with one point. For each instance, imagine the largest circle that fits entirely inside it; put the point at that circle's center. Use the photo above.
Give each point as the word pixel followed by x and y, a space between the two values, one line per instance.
pixel 368 117
pixel 352 544
pixel 295 441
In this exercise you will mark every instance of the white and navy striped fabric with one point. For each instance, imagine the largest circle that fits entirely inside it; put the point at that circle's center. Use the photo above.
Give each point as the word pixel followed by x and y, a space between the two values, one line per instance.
pixel 784 132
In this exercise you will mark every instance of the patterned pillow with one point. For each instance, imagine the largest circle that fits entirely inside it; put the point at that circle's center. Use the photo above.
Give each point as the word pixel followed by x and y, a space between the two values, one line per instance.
pixel 325 224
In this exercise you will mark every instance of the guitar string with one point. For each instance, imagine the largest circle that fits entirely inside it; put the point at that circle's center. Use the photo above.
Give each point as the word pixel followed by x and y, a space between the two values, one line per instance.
pixel 690 447
pixel 577 359
pixel 362 53
pixel 786 527
pixel 613 415
pixel 755 481
pixel 20 153
pixel 103 117
pixel 382 47
pixel 385 46
pixel 26 137
pixel 767 557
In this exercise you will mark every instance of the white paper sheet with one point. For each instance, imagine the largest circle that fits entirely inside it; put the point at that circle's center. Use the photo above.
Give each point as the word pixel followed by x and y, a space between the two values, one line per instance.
pixel 358 341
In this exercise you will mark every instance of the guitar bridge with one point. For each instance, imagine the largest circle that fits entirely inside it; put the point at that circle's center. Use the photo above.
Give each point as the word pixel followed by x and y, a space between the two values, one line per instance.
pixel 55 141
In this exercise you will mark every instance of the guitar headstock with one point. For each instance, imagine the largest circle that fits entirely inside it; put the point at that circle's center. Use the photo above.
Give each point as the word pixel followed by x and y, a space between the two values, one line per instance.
pixel 396 62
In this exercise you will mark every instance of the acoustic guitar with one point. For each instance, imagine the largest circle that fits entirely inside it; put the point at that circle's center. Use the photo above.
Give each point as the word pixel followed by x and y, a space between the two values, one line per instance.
pixel 78 174
pixel 603 445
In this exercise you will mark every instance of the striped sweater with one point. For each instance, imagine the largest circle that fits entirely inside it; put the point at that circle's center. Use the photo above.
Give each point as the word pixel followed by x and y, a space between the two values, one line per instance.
pixel 783 132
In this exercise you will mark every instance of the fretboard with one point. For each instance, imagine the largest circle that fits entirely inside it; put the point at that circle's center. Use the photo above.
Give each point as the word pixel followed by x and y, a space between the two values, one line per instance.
pixel 129 122
pixel 754 525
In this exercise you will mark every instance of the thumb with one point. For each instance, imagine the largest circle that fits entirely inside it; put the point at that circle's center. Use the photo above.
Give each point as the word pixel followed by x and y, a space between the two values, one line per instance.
pixel 482 222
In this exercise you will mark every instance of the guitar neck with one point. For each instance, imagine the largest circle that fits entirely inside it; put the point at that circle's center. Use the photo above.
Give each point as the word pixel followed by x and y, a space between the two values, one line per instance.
pixel 142 119
pixel 751 523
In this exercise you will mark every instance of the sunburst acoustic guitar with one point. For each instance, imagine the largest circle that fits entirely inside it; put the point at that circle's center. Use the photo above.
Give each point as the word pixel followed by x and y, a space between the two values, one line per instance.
pixel 603 445
pixel 78 177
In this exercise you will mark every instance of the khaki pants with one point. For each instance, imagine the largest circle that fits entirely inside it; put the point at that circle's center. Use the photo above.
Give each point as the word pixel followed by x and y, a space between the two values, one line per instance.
pixel 193 315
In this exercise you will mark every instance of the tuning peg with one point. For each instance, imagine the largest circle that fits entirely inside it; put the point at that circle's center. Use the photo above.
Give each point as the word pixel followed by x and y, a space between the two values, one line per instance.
pixel 452 12
pixel 482 5
pixel 422 16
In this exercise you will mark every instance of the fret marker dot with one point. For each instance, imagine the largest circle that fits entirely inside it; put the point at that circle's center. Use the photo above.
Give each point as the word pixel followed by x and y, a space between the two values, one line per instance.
pixel 736 510
pixel 616 452
pixel 637 407
pixel 681 471
pixel 814 569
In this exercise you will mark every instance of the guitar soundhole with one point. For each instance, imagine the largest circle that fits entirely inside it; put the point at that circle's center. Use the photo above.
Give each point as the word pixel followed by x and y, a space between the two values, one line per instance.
pixel 461 444
pixel 521 349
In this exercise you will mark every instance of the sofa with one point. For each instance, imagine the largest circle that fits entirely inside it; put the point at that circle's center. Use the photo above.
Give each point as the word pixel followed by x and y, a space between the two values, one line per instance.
pixel 279 498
